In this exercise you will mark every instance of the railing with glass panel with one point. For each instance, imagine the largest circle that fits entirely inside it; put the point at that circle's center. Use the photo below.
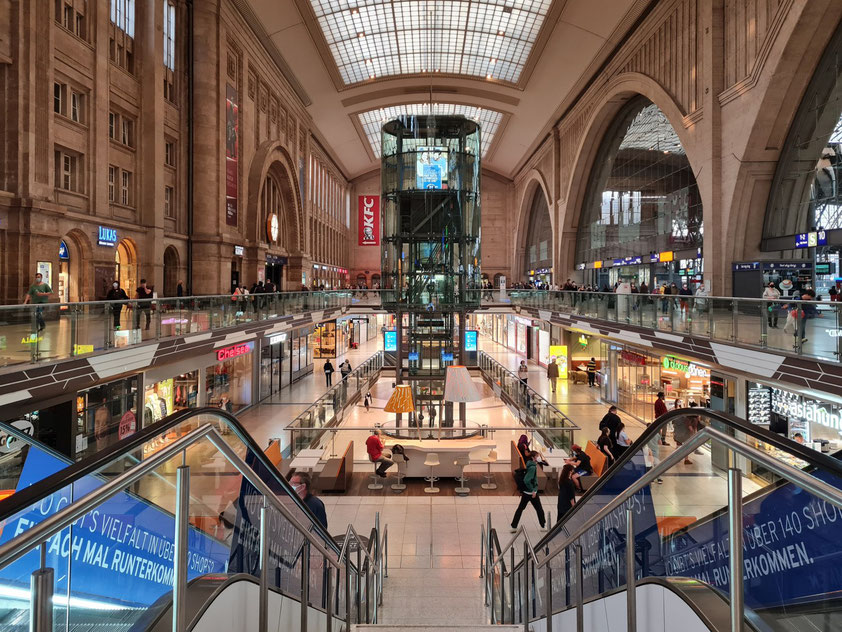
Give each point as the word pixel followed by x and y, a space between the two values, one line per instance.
pixel 807 328
pixel 116 538
pixel 728 514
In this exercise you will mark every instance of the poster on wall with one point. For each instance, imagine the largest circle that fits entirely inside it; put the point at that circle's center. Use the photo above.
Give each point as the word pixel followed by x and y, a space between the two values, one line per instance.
pixel 559 352
pixel 431 168
pixel 232 155
pixel 45 269
pixel 368 230
pixel 543 347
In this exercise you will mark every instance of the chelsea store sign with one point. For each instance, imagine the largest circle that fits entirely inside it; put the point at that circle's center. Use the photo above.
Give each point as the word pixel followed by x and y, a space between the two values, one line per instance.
pixel 791 405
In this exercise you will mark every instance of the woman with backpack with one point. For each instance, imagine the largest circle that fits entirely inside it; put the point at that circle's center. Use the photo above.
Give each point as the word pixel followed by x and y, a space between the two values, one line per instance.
pixel 527 483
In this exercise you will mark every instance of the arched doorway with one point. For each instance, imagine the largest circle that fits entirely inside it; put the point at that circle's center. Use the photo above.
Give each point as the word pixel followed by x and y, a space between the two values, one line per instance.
pixel 171 262
pixel 361 279
pixel 273 212
pixel 538 248
pixel 125 259
pixel 375 281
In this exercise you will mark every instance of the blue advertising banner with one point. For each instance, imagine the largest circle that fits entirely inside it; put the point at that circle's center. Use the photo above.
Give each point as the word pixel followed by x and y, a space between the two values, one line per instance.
pixel 390 340
pixel 120 552
pixel 790 548
pixel 471 340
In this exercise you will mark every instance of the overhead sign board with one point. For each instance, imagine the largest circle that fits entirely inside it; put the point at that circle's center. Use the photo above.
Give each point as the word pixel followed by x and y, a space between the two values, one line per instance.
pixel 107 236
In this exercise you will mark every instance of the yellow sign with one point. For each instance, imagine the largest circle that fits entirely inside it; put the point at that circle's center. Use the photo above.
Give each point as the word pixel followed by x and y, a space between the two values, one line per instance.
pixel 597 265
pixel 80 349
pixel 666 256
pixel 559 352
pixel 31 339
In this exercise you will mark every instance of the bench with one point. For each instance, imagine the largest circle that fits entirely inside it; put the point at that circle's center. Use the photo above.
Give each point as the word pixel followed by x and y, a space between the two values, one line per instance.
pixel 517 462
pixel 598 462
pixel 337 473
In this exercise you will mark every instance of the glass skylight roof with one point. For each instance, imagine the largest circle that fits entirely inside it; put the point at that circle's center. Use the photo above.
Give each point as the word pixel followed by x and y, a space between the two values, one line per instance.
pixel 651 130
pixel 381 38
pixel 373 120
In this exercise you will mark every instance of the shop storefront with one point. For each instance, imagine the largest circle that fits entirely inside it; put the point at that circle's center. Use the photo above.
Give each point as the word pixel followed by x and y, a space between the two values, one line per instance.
pixel 275 364
pixel 164 397
pixel 330 339
pixel 788 413
pixel 633 377
pixel 228 382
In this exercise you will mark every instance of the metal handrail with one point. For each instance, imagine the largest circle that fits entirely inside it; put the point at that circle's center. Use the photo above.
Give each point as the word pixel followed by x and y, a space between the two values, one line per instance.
pixel 569 425
pixel 41 532
pixel 787 472
pixel 520 532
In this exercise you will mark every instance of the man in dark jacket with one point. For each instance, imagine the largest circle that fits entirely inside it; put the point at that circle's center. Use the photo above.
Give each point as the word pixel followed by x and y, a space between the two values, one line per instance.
pixel 612 422
pixel 116 293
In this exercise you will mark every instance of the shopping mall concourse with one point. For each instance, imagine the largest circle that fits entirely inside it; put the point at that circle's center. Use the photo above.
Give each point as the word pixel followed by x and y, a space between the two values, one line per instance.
pixel 440 315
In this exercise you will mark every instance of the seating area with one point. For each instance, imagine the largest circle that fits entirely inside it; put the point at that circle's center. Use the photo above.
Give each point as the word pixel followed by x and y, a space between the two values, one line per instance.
pixel 517 462
pixel 599 462
pixel 337 473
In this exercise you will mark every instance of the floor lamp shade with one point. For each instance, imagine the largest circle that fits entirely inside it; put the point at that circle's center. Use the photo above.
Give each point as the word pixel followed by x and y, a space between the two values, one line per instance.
pixel 459 387
pixel 401 400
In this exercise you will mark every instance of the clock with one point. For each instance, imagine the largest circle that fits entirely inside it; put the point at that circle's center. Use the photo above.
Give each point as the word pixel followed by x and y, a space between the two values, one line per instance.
pixel 272 227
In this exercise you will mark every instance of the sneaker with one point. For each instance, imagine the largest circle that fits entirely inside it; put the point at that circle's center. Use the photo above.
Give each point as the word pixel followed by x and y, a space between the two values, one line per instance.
pixel 803 340
pixel 660 481
pixel 698 452
pixel 512 529
pixel 543 527
pixel 688 462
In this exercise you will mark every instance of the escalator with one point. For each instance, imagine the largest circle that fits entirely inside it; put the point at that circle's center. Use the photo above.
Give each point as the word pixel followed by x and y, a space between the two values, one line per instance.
pixel 159 526
pixel 769 519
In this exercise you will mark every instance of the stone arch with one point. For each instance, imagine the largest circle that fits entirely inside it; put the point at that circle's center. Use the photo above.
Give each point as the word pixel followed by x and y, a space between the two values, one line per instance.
pixel 81 281
pixel 273 158
pixel 172 269
pixel 534 183
pixel 615 95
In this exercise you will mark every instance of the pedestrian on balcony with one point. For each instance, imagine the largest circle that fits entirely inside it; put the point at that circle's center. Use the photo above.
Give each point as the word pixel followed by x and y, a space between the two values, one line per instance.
pixel 552 373
pixel 345 369
pixel 772 294
pixel 143 293
pixel 367 401
pixel 119 296
pixel 523 372
pixel 528 489
pixel 328 369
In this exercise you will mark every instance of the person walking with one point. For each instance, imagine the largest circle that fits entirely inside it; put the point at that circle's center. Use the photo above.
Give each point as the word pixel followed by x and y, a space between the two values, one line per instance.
pixel 591 372
pixel 552 373
pixel 523 372
pixel 345 369
pixel 772 294
pixel 179 289
pixel 143 294
pixel 566 492
pixel 660 410
pixel 529 493
pixel 375 448
pixel 328 369
pixel 38 294
pixel 367 401
pixel 119 296
pixel 301 483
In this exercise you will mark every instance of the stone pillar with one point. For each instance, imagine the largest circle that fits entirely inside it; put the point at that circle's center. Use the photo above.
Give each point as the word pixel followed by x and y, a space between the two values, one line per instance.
pixel 209 80
pixel 298 265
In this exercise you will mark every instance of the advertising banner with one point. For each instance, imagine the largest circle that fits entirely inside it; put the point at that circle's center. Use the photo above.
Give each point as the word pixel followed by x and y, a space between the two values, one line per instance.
pixel 368 230
pixel 119 552
pixel 232 155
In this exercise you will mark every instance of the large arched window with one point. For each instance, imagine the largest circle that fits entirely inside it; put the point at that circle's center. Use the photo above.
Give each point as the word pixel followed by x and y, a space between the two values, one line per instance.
pixel 272 209
pixel 642 195
pixel 805 192
pixel 538 249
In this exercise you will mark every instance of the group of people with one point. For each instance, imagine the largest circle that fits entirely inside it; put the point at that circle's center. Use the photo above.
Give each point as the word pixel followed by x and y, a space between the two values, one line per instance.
pixel 799 308
pixel 344 371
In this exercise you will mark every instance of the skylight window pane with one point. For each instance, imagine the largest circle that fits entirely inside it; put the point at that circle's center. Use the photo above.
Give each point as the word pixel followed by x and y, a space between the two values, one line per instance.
pixel 429 36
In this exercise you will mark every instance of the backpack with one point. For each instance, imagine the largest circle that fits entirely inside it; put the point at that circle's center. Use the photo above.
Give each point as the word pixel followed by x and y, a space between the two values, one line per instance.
pixel 520 476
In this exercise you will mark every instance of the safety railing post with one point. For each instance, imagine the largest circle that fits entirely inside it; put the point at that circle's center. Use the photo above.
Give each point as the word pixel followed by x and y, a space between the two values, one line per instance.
pixel 182 514
pixel 359 582
pixel 548 586
pixel 631 579
pixel 263 602
pixel 328 597
pixel 41 586
pixel 735 546
pixel 348 607
pixel 525 586
pixel 512 592
pixel 580 592
pixel 482 556
pixel 305 585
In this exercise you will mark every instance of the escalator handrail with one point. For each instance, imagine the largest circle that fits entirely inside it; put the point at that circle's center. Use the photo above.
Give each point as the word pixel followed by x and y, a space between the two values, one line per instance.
pixel 813 485
pixel 787 445
pixel 91 465
pixel 41 532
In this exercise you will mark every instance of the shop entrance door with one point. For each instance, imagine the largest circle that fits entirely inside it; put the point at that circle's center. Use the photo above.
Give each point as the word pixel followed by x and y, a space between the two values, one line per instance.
pixel 274 273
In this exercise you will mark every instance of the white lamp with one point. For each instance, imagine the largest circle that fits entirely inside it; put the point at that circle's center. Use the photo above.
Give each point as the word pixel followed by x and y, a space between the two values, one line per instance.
pixel 459 387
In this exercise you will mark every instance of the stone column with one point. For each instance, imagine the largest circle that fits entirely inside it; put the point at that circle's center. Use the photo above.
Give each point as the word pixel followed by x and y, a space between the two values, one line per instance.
pixel 209 79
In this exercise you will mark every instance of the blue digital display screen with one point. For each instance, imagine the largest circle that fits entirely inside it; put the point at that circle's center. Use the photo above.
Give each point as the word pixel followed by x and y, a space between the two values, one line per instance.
pixel 446 357
pixel 413 356
pixel 471 340
pixel 390 340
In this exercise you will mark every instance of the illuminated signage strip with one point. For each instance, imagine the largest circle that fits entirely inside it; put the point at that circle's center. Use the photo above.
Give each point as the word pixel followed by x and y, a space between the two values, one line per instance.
pixel 107 236
pixel 812 411
pixel 233 352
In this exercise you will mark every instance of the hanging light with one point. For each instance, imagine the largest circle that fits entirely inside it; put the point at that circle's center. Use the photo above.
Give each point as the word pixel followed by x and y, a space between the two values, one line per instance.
pixel 400 401
pixel 458 386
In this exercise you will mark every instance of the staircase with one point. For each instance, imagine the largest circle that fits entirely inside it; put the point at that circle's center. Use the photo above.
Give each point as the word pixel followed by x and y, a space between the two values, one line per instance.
pixel 432 600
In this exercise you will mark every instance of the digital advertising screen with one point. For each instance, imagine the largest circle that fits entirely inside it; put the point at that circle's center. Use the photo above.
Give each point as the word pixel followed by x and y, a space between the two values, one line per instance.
pixel 390 340
pixel 431 168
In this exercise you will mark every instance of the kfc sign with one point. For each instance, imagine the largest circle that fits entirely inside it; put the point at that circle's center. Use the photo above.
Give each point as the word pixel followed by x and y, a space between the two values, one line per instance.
pixel 369 227
pixel 232 352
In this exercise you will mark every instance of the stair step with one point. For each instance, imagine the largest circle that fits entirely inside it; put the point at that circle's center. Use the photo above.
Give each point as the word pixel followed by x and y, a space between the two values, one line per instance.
pixel 437 628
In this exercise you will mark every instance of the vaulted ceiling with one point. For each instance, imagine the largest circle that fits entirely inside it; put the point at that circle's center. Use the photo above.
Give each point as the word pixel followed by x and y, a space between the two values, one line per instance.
pixel 512 65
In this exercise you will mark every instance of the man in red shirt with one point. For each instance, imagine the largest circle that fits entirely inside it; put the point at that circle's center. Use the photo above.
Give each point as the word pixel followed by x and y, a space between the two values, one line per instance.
pixel 661 409
pixel 374 446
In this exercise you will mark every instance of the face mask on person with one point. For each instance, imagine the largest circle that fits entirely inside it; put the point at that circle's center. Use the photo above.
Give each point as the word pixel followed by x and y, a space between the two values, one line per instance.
pixel 116 285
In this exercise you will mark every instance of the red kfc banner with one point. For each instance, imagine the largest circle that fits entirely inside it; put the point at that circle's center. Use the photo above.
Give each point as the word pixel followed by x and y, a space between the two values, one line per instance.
pixel 369 218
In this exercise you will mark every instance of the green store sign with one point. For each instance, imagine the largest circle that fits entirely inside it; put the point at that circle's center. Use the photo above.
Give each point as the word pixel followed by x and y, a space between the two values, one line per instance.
pixel 675 364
